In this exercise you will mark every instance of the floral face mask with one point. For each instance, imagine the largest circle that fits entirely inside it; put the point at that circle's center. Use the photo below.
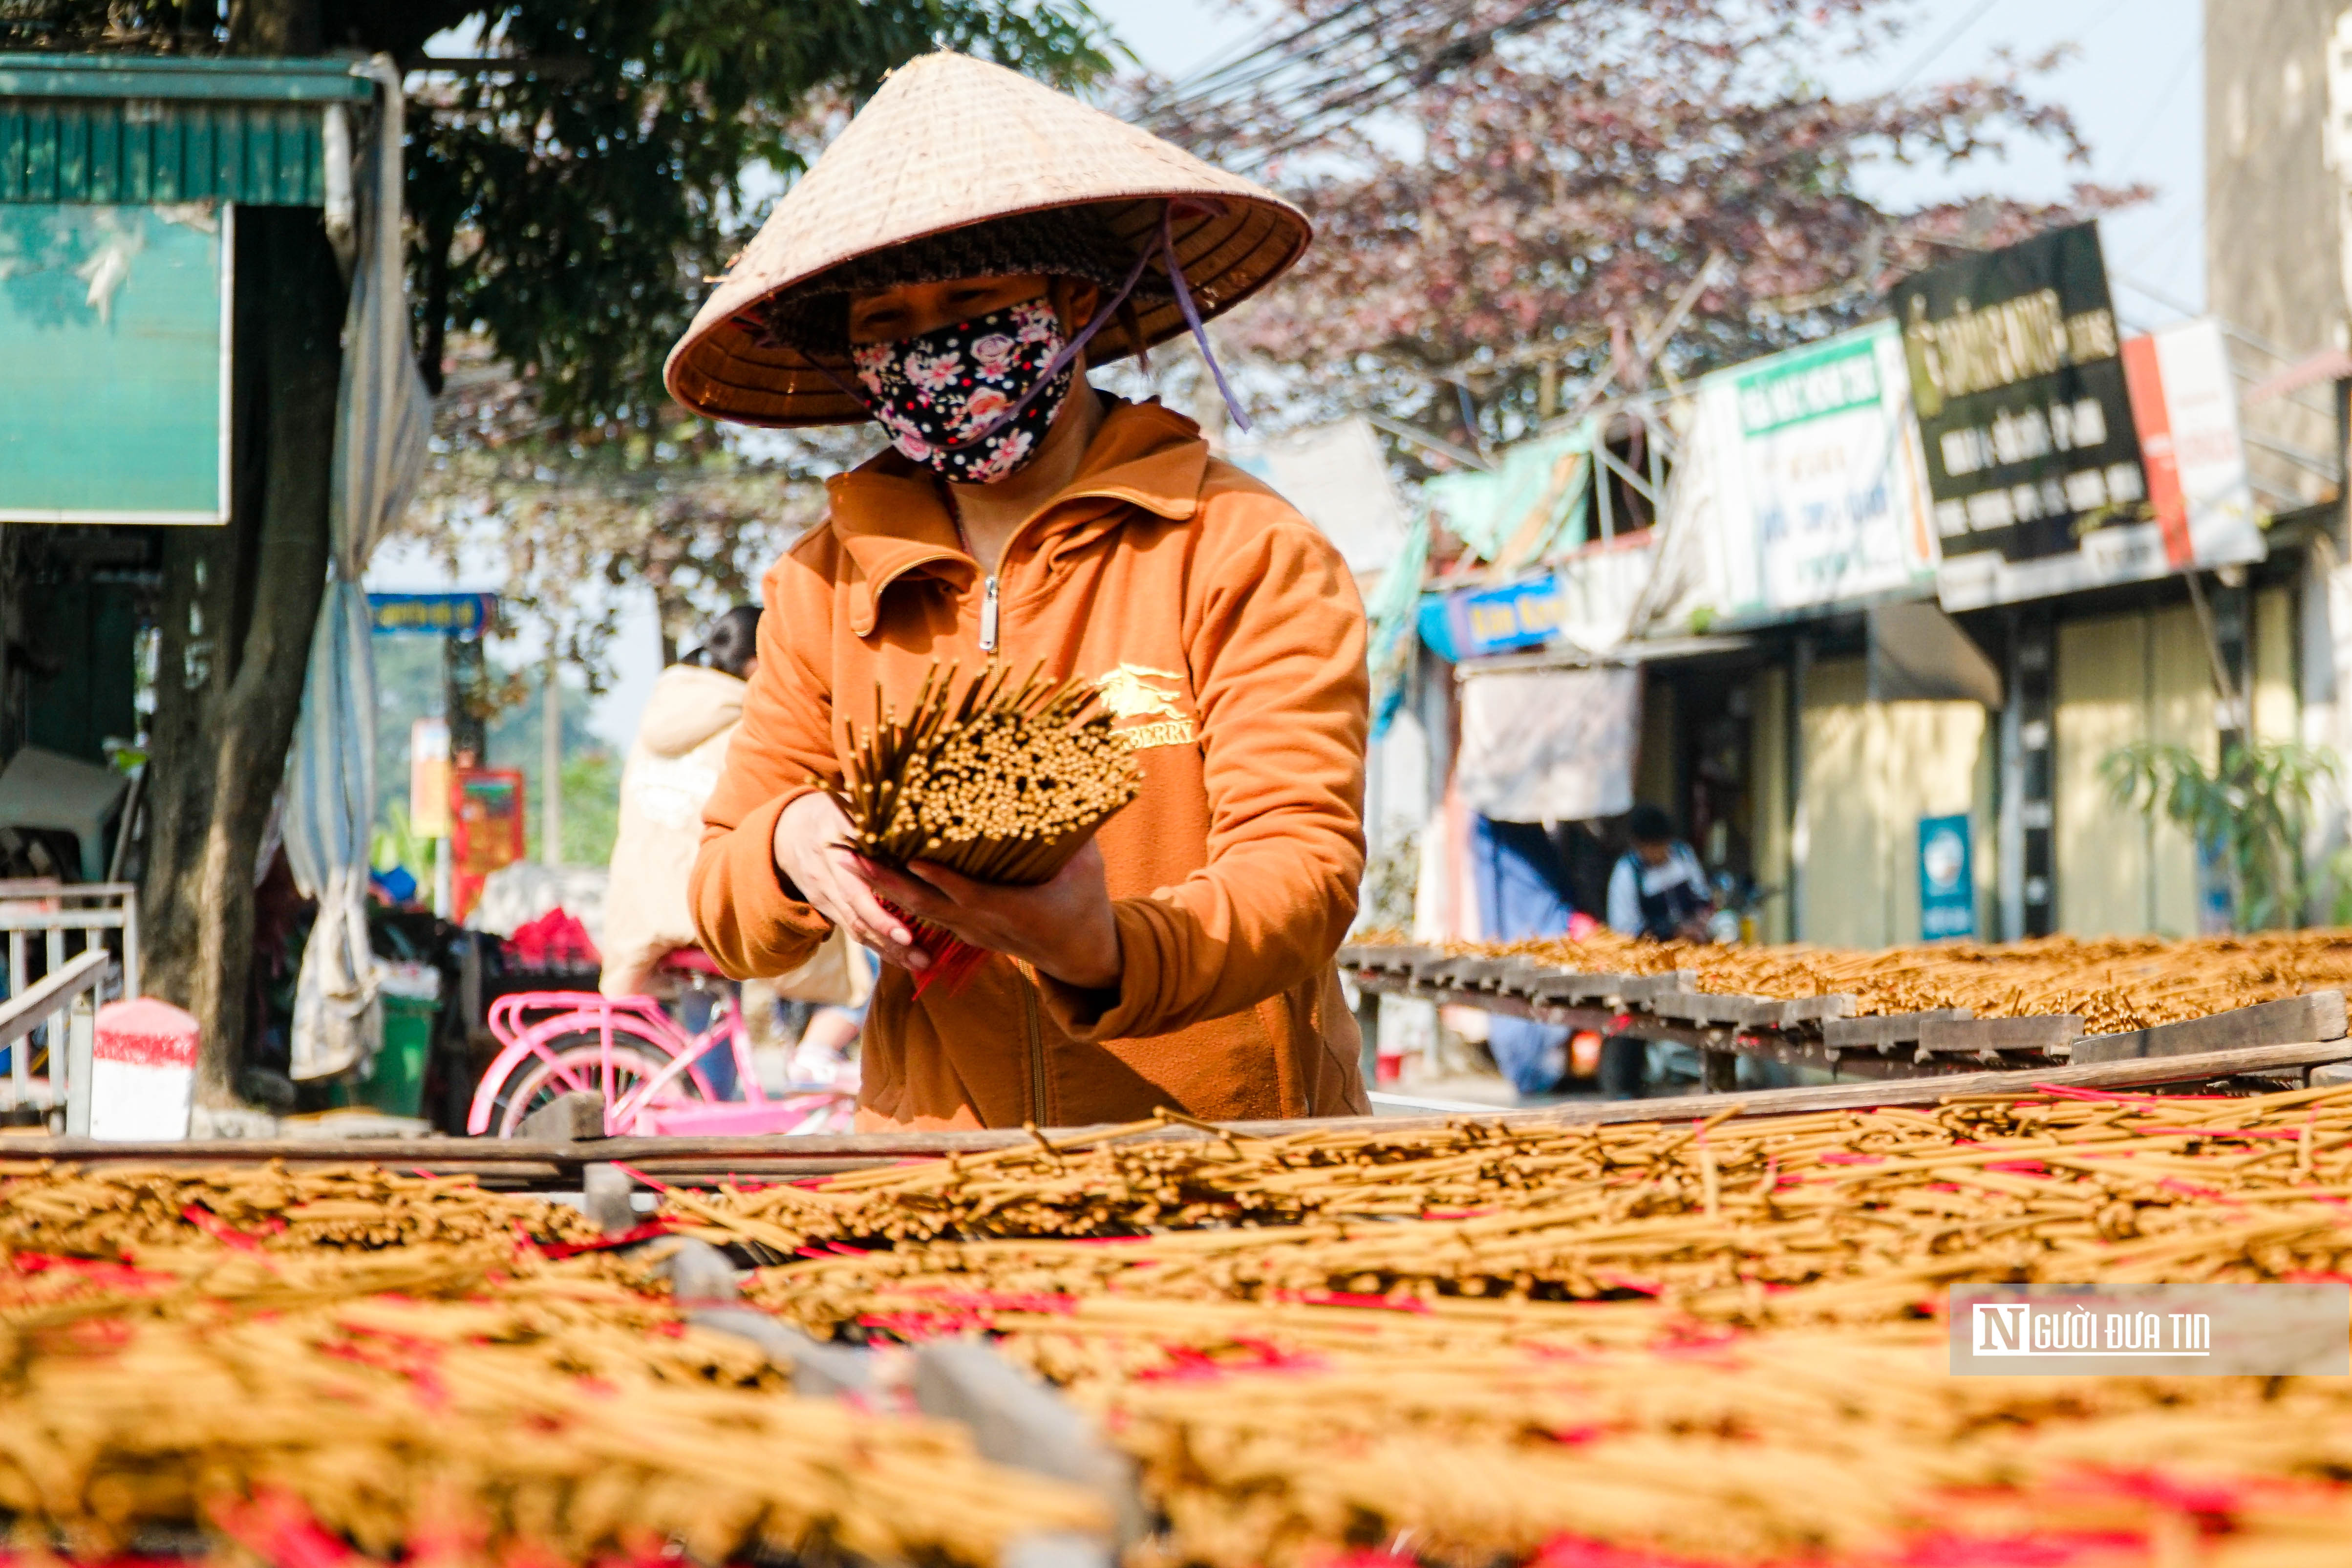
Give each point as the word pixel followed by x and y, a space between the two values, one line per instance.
pixel 972 400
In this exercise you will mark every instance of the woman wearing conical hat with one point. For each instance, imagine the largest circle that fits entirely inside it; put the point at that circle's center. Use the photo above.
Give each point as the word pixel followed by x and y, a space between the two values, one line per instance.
pixel 949 268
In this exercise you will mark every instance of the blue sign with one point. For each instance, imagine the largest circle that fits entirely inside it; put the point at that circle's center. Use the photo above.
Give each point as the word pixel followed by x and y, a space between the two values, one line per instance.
pixel 433 614
pixel 1507 619
pixel 1948 886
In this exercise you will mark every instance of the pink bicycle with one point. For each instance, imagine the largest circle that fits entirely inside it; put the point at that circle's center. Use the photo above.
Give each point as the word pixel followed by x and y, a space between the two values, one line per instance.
pixel 648 1070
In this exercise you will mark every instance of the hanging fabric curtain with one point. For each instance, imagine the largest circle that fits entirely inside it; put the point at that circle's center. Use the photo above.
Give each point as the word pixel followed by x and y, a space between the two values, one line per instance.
pixel 1550 745
pixel 383 422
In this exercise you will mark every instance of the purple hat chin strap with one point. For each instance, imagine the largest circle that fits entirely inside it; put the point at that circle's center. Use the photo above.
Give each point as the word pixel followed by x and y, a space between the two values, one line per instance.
pixel 1192 313
pixel 1077 345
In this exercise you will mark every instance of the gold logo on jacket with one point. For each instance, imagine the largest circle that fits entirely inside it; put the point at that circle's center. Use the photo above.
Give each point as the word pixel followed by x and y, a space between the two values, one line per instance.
pixel 1126 692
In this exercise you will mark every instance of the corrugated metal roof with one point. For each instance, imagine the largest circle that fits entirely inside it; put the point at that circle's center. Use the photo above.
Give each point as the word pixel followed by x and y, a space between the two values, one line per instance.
pixel 143 76
pixel 98 128
pixel 68 150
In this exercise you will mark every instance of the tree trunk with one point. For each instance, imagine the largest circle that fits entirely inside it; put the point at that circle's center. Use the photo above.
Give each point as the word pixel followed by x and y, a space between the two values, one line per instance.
pixel 669 612
pixel 239 605
pixel 16 693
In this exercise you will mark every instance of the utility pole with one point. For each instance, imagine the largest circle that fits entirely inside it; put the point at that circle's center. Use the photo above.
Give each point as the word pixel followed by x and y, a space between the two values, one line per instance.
pixel 2335 153
pixel 551 765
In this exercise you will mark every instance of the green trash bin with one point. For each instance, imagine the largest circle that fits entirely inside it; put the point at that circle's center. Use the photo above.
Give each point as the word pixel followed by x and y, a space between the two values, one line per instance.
pixel 395 1083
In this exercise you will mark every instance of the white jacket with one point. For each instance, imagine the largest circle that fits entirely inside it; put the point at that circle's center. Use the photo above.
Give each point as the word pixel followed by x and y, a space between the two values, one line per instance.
pixel 672 766
pixel 1632 878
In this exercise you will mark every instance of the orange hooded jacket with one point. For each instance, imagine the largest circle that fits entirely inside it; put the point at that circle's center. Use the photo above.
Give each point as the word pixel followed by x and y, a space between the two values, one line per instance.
pixel 1227 639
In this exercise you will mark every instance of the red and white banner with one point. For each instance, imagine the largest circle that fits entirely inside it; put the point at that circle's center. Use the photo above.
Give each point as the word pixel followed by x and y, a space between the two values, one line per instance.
pixel 2185 404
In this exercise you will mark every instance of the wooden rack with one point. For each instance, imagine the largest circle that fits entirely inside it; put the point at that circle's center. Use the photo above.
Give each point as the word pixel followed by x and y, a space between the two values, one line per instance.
pixel 1811 1031
pixel 562 1165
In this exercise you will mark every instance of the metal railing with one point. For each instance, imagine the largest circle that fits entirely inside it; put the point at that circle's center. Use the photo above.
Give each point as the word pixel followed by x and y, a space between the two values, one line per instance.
pixel 69 922
pixel 64 1005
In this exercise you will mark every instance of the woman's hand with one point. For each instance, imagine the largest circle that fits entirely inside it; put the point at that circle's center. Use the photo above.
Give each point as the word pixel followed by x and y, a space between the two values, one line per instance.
pixel 1064 927
pixel 812 851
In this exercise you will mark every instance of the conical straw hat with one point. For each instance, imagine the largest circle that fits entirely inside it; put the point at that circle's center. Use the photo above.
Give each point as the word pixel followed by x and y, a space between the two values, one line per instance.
pixel 950 140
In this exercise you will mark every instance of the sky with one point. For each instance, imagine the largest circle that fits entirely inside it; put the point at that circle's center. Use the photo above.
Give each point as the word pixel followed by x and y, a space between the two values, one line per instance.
pixel 2134 83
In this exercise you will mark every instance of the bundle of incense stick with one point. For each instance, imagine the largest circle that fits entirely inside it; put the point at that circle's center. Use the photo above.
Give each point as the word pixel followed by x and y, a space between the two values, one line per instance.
pixel 1002 783
pixel 125 1211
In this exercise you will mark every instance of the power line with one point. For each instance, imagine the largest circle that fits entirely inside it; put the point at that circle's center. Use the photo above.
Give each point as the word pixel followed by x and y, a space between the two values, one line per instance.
pixel 2193 212
pixel 1289 114
pixel 2094 25
pixel 1282 103
pixel 1229 85
pixel 1286 47
pixel 2158 295
pixel 1199 92
pixel 1927 56
pixel 1234 54
pixel 2163 102
pixel 1280 51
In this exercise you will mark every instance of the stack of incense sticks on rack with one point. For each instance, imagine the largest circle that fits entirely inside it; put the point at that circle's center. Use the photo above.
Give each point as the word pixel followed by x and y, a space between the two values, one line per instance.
pixel 111 1211
pixel 1625 1345
pixel 1835 1215
pixel 2115 984
pixel 1002 783
pixel 391 1370
pixel 1487 1345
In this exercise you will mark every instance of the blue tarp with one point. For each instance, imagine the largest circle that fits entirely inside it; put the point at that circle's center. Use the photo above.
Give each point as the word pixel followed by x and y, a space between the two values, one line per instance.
pixel 1520 894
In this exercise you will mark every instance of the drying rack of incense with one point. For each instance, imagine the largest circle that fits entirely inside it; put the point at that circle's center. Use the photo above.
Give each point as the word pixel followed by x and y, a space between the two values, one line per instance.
pixel 560 1159
pixel 1927 1010
pixel 1592 1340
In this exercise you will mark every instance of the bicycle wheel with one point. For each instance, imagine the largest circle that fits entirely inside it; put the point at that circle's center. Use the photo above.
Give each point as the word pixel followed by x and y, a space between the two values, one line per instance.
pixel 572 1059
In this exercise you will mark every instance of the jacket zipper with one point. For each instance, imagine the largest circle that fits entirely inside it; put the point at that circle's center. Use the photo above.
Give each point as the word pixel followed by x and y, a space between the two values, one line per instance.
pixel 1036 1045
pixel 1029 1020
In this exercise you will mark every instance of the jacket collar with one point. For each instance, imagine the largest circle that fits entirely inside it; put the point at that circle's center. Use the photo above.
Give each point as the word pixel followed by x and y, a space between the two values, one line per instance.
pixel 890 521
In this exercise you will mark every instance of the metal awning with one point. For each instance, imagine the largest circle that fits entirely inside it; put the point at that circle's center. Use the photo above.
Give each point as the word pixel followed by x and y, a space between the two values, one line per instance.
pixel 1642 650
pixel 107 129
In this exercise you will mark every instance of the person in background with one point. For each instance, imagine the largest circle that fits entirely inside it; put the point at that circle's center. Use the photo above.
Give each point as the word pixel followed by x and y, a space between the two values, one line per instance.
pixel 822 1057
pixel 1658 890
pixel 690 716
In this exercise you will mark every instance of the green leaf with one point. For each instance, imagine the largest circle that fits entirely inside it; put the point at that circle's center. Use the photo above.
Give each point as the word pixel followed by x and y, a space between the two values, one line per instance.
pixel 2254 805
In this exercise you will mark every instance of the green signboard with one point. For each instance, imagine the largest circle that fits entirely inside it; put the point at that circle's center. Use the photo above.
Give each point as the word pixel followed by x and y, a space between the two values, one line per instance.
pixel 1806 467
pixel 114 351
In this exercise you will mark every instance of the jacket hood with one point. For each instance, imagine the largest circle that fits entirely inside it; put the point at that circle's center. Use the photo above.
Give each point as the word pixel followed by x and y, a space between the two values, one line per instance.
pixel 890 518
pixel 689 705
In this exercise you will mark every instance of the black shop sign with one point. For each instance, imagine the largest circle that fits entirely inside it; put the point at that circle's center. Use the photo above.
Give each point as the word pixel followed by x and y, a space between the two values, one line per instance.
pixel 2018 381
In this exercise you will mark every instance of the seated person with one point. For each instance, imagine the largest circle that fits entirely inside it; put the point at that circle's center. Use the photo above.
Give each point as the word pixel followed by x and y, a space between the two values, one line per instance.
pixel 1658 890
